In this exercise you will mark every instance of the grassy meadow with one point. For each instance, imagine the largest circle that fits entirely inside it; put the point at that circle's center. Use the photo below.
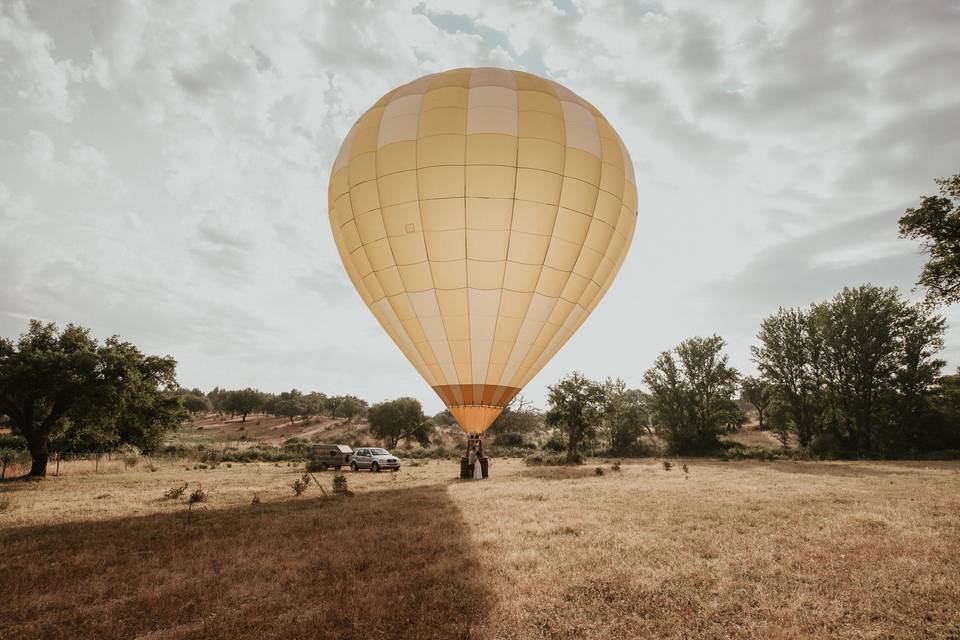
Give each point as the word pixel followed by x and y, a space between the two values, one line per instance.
pixel 726 549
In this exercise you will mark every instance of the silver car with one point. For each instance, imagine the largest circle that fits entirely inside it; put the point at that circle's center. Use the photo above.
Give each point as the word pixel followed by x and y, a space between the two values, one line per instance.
pixel 374 458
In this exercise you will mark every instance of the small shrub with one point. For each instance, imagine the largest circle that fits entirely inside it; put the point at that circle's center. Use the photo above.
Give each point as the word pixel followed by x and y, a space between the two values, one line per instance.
pixel 196 499
pixel 198 495
pixel 340 485
pixel 667 465
pixel 256 499
pixel 5 503
pixel 598 471
pixel 130 460
pixel 174 493
pixel 615 466
pixel 152 468
pixel 686 470
pixel 314 465
pixel 300 485
pixel 229 465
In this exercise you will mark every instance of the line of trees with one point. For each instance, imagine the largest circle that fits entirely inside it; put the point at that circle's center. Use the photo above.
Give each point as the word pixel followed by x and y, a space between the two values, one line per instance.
pixel 293 404
pixel 855 376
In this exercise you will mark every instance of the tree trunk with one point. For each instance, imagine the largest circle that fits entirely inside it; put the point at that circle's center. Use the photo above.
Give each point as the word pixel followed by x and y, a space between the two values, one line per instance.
pixel 37 444
pixel 38 463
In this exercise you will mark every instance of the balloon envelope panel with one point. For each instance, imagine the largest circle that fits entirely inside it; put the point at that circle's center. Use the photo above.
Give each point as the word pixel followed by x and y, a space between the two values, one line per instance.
pixel 482 214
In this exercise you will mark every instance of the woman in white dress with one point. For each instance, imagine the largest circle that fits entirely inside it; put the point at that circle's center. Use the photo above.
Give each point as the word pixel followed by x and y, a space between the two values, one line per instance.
pixel 477 466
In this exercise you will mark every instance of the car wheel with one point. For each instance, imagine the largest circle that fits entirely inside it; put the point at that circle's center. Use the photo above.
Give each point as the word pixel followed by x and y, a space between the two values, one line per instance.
pixel 325 466
pixel 337 467
pixel 375 468
pixel 397 469
pixel 353 466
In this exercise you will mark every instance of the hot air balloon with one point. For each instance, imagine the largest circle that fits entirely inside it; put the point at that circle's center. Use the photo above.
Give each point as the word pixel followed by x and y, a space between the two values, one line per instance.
pixel 481 214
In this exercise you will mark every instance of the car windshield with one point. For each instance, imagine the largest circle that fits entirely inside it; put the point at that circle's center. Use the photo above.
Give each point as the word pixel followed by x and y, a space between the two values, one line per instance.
pixel 379 452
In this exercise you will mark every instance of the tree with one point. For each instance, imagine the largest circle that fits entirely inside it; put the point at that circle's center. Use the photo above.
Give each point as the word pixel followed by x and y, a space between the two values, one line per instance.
pixel 790 356
pixel 346 406
pixel 400 419
pixel 691 391
pixel 217 398
pixel 855 373
pixel 575 409
pixel 54 385
pixel 757 392
pixel 625 415
pixel 518 419
pixel 936 223
pixel 243 402
pixel 195 402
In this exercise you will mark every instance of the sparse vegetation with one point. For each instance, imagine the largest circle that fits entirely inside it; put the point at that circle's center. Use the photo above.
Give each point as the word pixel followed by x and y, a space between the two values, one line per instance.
pixel 300 485
pixel 174 493
pixel 877 540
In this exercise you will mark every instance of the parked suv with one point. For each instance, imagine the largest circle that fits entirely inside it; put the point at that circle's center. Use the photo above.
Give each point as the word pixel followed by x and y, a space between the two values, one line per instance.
pixel 374 458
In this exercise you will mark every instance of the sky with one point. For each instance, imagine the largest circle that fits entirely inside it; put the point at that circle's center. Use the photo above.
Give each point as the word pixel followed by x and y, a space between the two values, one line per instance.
pixel 164 166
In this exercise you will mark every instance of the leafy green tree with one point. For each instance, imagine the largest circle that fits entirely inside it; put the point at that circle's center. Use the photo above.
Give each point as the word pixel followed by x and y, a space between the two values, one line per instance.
pixel 936 222
pixel 400 419
pixel 691 391
pixel 625 415
pixel 346 406
pixel 195 402
pixel 758 392
pixel 855 373
pixel 290 408
pixel 575 406
pixel 218 398
pixel 315 403
pixel 55 385
pixel 790 356
pixel 243 402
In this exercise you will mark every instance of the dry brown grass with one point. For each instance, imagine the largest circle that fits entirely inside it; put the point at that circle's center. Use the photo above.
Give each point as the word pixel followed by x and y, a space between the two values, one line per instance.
pixel 735 549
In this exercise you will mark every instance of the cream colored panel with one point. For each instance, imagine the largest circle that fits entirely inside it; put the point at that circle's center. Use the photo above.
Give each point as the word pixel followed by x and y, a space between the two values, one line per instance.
pixel 443 214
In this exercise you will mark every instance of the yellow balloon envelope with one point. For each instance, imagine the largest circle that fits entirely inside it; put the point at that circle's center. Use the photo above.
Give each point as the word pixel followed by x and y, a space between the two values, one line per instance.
pixel 482 214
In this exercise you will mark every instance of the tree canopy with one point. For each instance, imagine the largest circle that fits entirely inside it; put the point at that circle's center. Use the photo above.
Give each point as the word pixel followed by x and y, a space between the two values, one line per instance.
pixel 691 391
pixel 400 419
pixel 66 387
pixel 855 374
pixel 936 223
pixel 575 406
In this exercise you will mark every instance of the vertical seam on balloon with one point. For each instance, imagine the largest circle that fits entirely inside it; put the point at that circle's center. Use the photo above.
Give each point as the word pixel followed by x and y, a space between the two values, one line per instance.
pixel 506 257
pixel 446 340
pixel 466 256
pixel 390 246
pixel 552 231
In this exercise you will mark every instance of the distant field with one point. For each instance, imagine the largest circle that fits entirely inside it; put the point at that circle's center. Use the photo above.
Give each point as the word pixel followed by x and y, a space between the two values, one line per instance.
pixel 731 549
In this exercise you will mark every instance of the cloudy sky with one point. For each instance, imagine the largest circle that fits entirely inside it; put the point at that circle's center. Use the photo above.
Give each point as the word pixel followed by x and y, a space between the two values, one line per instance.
pixel 163 166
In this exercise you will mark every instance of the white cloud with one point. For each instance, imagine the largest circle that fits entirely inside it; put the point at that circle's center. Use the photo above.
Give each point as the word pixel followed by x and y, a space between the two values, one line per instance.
pixel 31 77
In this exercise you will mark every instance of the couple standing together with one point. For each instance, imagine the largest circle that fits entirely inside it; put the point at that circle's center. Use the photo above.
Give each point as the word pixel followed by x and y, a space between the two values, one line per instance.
pixel 473 457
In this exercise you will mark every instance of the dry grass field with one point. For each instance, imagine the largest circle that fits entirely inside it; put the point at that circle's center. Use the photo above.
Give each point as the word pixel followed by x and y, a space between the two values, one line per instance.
pixel 727 550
